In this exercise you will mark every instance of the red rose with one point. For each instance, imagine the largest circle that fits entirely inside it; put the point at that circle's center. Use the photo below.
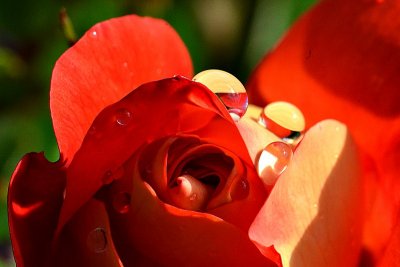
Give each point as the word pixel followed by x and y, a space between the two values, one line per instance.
pixel 164 177
pixel 157 179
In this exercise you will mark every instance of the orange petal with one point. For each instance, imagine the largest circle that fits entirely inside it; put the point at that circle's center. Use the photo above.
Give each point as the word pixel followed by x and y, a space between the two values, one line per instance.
pixel 313 215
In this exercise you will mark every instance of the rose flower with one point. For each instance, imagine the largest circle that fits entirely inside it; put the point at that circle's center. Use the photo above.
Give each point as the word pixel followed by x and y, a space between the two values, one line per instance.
pixel 157 169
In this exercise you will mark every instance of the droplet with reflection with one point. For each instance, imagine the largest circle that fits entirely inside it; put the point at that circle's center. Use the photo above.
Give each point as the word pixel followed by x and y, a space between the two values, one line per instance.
pixel 241 189
pixel 123 117
pixel 273 161
pixel 285 120
pixel 97 240
pixel 228 88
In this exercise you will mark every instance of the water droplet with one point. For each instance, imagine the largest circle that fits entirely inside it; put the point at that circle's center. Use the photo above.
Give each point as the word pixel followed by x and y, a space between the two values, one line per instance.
pixel 379 1
pixel 240 190
pixel 123 117
pixel 122 202
pixel 285 120
pixel 273 161
pixel 125 64
pixel 228 88
pixel 93 34
pixel 97 240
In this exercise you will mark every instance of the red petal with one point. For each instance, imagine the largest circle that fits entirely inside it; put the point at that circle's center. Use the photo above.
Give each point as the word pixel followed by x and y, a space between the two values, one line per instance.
pixel 156 110
pixel 112 58
pixel 341 61
pixel 391 256
pixel 86 240
pixel 34 201
pixel 175 237
pixel 313 216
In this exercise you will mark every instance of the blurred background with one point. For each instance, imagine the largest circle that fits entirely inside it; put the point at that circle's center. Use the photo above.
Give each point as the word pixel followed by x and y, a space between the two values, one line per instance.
pixel 232 35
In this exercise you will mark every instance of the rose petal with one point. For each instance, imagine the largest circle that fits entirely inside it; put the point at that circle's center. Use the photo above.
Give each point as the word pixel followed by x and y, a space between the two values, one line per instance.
pixel 391 256
pixel 183 238
pixel 195 111
pixel 239 187
pixel 86 239
pixel 341 61
pixel 255 136
pixel 313 215
pixel 113 58
pixel 34 200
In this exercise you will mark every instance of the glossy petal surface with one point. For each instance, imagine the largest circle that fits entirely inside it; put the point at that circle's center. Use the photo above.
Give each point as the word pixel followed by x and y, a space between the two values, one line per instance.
pixel 110 60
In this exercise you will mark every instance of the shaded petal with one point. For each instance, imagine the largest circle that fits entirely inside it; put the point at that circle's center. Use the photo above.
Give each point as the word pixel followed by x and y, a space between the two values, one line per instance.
pixel 34 200
pixel 341 61
pixel 175 237
pixel 86 240
pixel 112 58
pixel 316 205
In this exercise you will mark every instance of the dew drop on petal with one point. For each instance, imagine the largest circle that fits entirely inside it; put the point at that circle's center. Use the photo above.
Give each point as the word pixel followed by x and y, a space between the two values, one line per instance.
pixel 228 88
pixel 123 117
pixel 93 34
pixel 240 189
pixel 273 160
pixel 122 202
pixel 284 120
pixel 97 240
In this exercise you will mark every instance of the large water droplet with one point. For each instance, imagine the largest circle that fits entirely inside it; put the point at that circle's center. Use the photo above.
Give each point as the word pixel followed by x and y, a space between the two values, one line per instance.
pixel 284 120
pixel 273 161
pixel 123 117
pixel 122 202
pixel 240 190
pixel 228 88
pixel 97 240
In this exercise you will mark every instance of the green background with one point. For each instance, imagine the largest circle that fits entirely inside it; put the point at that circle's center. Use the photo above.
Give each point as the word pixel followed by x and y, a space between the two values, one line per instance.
pixel 231 35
